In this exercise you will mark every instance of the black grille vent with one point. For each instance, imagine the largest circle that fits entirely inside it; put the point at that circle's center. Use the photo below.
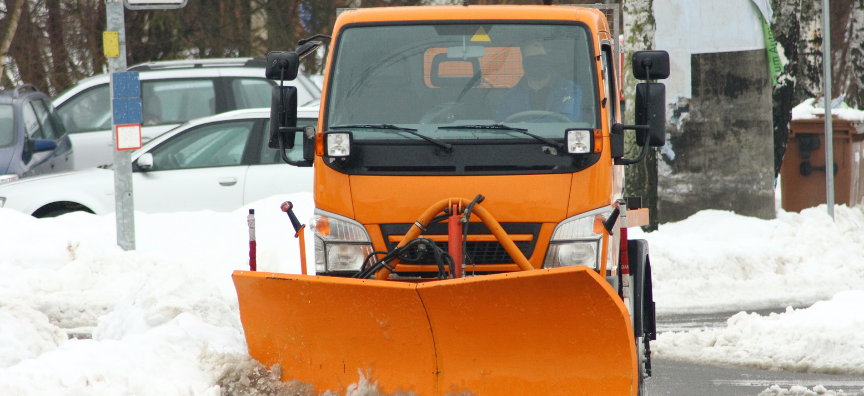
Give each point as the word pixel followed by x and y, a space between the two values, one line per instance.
pixel 480 253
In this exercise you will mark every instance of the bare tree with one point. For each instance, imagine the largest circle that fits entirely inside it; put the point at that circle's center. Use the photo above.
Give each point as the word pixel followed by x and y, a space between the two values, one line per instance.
pixel 12 17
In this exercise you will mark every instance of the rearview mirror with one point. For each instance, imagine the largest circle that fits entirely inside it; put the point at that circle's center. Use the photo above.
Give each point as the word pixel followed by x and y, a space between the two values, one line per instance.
pixel 463 52
pixel 39 145
pixel 145 162
pixel 283 114
pixel 657 63
pixel 282 65
pixel 654 115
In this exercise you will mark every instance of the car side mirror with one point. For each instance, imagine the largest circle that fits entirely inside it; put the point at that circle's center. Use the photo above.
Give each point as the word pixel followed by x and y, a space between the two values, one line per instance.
pixel 39 145
pixel 145 162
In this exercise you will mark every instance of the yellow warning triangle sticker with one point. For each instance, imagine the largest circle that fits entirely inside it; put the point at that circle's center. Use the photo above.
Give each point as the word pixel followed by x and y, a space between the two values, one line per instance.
pixel 481 35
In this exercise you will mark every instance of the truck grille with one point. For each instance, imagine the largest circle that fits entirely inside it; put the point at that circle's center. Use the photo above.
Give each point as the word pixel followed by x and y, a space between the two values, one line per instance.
pixel 478 253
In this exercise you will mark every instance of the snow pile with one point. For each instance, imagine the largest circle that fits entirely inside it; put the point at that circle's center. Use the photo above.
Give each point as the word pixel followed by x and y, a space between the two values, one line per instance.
pixel 824 338
pixel 164 319
pixel 818 390
pixel 717 261
pixel 25 334
pixel 808 110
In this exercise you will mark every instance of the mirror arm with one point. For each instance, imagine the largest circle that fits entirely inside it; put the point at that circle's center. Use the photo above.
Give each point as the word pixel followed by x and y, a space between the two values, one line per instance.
pixel 308 39
pixel 627 161
pixel 302 164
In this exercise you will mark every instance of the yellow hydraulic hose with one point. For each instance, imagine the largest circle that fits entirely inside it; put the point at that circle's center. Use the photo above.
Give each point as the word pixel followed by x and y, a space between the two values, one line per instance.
pixel 484 216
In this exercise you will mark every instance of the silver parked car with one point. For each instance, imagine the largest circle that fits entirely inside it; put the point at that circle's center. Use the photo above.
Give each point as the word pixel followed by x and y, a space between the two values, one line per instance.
pixel 172 92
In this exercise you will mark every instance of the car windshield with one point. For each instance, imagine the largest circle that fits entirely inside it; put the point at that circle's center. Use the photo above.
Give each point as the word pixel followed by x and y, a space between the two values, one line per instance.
pixel 7 125
pixel 531 77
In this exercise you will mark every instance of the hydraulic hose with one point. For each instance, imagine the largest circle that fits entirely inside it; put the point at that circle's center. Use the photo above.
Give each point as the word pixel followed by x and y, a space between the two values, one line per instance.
pixel 486 217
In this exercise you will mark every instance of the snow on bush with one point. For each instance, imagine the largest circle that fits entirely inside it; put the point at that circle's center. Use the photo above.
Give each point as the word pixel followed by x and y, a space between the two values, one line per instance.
pixel 824 338
pixel 718 261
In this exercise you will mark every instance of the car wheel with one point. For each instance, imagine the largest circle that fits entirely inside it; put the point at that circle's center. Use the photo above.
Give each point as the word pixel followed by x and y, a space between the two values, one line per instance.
pixel 59 208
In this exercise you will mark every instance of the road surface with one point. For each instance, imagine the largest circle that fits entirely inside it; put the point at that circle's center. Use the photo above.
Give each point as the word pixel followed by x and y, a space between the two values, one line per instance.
pixel 684 379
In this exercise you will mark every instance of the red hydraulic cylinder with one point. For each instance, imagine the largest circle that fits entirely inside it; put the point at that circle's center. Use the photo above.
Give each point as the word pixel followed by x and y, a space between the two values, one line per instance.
pixel 454 240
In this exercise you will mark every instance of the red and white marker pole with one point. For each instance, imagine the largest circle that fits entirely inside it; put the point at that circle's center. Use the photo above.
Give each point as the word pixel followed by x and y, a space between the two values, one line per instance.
pixel 252 248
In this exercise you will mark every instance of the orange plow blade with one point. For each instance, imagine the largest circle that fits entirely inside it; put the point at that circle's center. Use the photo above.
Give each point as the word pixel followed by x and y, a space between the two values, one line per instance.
pixel 551 332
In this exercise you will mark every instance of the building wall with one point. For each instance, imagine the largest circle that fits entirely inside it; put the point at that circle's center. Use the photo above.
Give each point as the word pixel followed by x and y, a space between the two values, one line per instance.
pixel 723 147
pixel 719 152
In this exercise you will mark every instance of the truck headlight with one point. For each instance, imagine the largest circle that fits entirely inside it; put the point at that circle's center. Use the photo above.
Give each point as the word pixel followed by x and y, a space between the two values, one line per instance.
pixel 341 244
pixel 8 178
pixel 577 241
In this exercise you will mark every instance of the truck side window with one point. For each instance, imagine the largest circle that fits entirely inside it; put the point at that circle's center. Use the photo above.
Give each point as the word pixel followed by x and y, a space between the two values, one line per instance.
pixel 609 83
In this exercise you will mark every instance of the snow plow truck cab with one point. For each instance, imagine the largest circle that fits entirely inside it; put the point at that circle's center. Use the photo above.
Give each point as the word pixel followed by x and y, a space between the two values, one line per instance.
pixel 470 230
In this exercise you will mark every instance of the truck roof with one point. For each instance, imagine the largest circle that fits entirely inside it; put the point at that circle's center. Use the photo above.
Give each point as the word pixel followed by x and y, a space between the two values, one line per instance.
pixel 592 17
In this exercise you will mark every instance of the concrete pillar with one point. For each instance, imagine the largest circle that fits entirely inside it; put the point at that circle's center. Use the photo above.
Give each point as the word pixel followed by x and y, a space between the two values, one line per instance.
pixel 720 152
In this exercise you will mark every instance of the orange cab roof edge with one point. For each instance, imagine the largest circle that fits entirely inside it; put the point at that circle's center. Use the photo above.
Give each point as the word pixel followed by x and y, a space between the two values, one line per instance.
pixel 453 13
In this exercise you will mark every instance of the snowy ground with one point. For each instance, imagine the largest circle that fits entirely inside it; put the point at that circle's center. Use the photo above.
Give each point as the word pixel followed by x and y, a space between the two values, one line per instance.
pixel 164 318
pixel 717 261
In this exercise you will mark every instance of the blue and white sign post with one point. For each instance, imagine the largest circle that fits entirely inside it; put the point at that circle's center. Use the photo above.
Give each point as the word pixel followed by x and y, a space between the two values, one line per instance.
pixel 125 112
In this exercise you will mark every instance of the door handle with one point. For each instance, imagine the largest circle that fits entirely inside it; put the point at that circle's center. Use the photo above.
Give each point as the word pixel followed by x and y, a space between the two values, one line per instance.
pixel 227 181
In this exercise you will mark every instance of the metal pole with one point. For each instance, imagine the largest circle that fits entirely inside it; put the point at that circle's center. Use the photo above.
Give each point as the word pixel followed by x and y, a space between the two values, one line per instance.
pixel 829 130
pixel 123 204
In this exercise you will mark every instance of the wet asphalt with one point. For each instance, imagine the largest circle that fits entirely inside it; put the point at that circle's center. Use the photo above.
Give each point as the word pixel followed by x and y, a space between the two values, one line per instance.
pixel 671 377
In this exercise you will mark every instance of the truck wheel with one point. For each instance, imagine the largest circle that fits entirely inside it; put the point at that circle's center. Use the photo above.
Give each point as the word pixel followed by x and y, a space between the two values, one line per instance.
pixel 642 376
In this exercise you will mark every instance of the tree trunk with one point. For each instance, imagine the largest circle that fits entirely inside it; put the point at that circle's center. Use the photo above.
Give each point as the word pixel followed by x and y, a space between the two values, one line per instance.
pixel 60 78
pixel 9 34
pixel 29 49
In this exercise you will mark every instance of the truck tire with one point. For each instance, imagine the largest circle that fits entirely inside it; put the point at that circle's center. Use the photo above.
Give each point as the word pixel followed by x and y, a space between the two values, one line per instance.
pixel 644 318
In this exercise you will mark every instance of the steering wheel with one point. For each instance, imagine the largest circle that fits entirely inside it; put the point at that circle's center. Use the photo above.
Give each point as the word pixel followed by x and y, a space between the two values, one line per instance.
pixel 537 114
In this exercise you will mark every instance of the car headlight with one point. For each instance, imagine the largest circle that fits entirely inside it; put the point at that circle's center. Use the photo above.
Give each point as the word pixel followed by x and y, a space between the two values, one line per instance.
pixel 341 244
pixel 577 241
pixel 8 178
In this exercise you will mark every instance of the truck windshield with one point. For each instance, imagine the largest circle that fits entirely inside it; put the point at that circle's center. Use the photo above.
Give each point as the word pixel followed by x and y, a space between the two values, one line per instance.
pixel 533 77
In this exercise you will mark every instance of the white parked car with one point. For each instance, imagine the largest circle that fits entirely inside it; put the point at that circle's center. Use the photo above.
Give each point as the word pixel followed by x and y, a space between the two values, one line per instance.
pixel 172 92
pixel 217 163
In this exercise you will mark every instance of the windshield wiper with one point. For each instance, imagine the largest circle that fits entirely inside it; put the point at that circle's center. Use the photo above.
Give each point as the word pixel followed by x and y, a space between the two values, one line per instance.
pixel 502 127
pixel 392 127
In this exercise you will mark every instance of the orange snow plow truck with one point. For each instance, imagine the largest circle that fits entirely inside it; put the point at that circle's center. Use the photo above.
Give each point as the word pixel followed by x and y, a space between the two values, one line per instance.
pixel 470 231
